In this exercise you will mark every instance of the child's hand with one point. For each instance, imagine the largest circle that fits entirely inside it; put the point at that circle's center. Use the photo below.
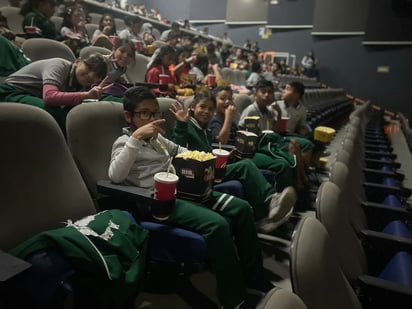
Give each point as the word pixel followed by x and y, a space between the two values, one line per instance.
pixel 230 111
pixel 150 130
pixel 178 110
pixel 97 91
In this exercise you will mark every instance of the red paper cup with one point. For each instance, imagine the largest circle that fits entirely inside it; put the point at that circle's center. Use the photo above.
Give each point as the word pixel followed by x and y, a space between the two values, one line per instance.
pixel 163 79
pixel 138 45
pixel 114 39
pixel 30 29
pixel 220 165
pixel 211 81
pixel 165 186
pixel 284 124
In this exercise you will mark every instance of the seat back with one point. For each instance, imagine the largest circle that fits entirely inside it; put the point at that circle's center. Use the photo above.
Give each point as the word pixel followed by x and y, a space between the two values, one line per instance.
pixel 242 101
pixel 86 51
pixel 164 105
pixel 136 72
pixel 282 299
pixel 120 24
pixel 41 48
pixel 92 129
pixel 14 19
pixel 40 185
pixel 91 28
pixel 334 216
pixel 316 275
pixel 57 21
pixel 350 195
pixel 95 18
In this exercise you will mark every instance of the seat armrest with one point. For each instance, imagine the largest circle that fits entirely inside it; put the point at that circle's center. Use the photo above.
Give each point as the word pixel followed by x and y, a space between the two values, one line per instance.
pixel 381 247
pixel 379 174
pixel 379 293
pixel 124 192
pixel 377 163
pixel 11 266
pixel 380 191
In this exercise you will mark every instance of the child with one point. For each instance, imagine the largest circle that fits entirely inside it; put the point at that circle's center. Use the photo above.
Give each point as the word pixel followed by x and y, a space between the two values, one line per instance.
pixel 122 56
pixel 136 157
pixel 103 36
pixel 297 113
pixel 132 32
pixel 160 66
pixel 270 115
pixel 223 128
pixel 107 27
pixel 191 132
pixel 56 84
pixel 73 29
pixel 37 13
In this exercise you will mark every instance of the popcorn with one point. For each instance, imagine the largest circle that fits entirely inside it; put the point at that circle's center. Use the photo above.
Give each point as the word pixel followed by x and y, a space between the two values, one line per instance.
pixel 196 155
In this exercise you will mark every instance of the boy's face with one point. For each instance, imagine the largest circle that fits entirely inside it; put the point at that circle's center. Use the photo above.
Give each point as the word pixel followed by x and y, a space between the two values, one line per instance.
pixel 84 76
pixel 265 96
pixel 145 112
pixel 289 94
pixel 224 99
pixel 203 112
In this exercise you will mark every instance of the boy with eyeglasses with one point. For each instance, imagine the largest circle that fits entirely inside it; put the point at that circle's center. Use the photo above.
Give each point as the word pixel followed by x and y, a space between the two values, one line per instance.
pixel 141 152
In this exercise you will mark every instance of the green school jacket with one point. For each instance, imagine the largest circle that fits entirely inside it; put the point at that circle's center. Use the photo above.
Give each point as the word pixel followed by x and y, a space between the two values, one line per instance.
pixel 192 136
pixel 106 245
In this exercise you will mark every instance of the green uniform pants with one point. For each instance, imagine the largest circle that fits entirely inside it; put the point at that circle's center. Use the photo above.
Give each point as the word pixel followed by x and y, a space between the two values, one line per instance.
pixel 258 191
pixel 10 94
pixel 233 249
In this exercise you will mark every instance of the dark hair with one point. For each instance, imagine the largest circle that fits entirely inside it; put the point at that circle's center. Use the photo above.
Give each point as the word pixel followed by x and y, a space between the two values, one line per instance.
pixel 30 5
pixel 68 13
pixel 200 96
pixel 256 67
pixel 131 20
pixel 173 35
pixel 218 89
pixel 96 64
pixel 112 29
pixel 202 63
pixel 164 50
pixel 127 43
pixel 264 83
pixel 298 87
pixel 134 95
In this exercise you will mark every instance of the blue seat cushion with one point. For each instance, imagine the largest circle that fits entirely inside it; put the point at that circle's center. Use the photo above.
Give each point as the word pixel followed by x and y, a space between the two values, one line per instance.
pixel 232 187
pixel 392 200
pixel 397 228
pixel 399 269
pixel 175 245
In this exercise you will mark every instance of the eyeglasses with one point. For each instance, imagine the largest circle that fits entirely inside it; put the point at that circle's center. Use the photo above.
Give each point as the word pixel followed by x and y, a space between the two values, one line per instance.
pixel 146 115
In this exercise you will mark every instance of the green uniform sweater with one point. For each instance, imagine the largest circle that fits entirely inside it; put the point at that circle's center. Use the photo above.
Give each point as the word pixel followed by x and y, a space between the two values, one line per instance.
pixel 106 246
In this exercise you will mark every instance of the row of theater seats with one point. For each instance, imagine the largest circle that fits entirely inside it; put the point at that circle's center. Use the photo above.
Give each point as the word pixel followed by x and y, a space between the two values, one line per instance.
pixel 361 237
pixel 406 129
pixel 47 180
pixel 326 106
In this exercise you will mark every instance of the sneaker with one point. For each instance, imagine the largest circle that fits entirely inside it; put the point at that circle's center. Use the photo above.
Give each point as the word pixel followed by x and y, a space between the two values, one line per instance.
pixel 281 208
pixel 282 203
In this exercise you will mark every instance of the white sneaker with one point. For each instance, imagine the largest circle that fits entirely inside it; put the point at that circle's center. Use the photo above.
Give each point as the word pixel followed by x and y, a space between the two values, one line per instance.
pixel 281 208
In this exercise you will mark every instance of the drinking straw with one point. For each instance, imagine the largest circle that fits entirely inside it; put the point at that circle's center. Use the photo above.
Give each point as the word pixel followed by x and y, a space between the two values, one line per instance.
pixel 220 145
pixel 32 20
pixel 267 125
pixel 168 166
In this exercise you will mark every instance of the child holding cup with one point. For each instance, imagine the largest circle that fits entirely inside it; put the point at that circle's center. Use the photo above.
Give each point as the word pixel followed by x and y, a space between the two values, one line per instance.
pixel 159 73
pixel 191 131
pixel 141 152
